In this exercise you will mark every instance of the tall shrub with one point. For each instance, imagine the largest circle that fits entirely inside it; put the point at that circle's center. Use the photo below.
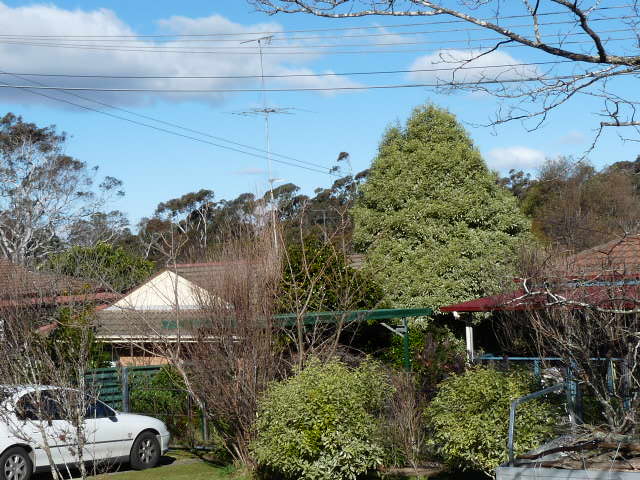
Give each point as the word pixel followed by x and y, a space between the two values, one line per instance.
pixel 468 419
pixel 322 422
pixel 435 225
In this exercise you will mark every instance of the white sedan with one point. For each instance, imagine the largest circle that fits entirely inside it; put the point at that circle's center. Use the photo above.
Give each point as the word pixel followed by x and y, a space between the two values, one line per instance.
pixel 35 431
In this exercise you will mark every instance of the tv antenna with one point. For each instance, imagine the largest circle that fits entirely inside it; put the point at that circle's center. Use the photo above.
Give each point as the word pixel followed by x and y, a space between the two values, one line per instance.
pixel 265 111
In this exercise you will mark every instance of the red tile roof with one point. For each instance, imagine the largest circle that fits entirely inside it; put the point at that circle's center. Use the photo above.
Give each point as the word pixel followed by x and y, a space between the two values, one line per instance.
pixel 19 284
pixel 619 257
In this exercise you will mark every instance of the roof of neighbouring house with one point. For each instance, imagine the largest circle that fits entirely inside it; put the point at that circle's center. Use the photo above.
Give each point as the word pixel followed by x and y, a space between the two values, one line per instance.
pixel 19 284
pixel 605 275
pixel 620 256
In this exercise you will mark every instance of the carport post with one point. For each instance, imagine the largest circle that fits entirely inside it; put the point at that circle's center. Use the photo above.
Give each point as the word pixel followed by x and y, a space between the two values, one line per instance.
pixel 125 389
pixel 405 345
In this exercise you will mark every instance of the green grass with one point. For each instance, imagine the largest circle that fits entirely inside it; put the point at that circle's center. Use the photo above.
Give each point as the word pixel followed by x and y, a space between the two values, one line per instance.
pixel 195 470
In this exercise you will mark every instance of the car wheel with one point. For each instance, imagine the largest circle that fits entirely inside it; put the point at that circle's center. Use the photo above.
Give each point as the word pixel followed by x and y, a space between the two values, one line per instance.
pixel 15 464
pixel 145 452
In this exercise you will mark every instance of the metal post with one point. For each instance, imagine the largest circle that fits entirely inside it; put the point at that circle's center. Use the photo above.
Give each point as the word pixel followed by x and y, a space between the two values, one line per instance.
pixel 405 345
pixel 536 370
pixel 205 427
pixel 512 415
pixel 125 389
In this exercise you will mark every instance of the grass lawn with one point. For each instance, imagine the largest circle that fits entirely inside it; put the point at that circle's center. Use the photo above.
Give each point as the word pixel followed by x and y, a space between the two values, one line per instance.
pixel 175 465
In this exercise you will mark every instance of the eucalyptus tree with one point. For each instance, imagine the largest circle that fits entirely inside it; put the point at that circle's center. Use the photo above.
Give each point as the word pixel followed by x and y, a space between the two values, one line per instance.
pixel 43 191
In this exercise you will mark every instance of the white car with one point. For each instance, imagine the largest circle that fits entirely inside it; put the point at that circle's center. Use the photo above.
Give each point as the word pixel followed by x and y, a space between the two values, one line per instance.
pixel 31 419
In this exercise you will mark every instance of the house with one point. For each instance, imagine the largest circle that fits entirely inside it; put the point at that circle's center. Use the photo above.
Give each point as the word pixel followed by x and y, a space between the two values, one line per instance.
pixel 167 307
pixel 606 275
pixel 37 295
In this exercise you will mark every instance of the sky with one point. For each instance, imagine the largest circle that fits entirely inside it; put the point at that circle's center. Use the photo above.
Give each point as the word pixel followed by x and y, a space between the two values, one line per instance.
pixel 309 129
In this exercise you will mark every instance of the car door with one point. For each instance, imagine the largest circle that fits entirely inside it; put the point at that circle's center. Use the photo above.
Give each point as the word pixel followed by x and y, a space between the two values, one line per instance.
pixel 107 435
pixel 38 424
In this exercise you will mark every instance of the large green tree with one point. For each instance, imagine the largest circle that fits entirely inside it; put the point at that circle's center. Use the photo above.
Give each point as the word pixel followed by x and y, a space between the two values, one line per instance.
pixel 436 226
pixel 112 267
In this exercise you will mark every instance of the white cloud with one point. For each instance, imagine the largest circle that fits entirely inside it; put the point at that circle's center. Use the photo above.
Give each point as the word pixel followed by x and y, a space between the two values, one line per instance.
pixel 451 65
pixel 51 20
pixel 517 157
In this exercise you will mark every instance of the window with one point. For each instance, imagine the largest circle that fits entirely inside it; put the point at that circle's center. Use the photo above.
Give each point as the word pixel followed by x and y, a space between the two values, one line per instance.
pixel 97 409
pixel 38 406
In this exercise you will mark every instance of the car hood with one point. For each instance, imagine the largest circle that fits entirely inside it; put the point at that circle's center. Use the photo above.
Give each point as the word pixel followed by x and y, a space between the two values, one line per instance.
pixel 142 422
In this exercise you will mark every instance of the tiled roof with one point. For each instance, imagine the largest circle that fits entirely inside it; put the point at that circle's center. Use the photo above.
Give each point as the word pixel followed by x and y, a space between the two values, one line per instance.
pixel 617 257
pixel 206 275
pixel 19 284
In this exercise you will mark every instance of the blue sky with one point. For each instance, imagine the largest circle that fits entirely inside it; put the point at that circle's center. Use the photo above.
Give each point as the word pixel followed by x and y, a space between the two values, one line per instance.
pixel 156 166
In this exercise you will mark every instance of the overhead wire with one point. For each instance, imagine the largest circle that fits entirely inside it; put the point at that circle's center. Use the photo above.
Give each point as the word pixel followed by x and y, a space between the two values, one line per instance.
pixel 291 52
pixel 235 49
pixel 288 75
pixel 303 89
pixel 286 32
pixel 317 37
pixel 319 169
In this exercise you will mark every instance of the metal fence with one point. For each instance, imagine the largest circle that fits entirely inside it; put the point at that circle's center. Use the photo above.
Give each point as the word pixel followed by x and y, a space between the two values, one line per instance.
pixel 132 389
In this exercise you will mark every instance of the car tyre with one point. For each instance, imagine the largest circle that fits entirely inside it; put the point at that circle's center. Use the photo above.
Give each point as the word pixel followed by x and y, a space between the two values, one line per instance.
pixel 145 452
pixel 15 464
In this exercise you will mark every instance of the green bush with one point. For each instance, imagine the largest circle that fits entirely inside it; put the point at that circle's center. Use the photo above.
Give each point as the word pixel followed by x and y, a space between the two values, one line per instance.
pixel 164 396
pixel 468 419
pixel 322 423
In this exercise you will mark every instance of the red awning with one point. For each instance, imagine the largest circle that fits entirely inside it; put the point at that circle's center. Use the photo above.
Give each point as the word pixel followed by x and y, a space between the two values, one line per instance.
pixel 610 294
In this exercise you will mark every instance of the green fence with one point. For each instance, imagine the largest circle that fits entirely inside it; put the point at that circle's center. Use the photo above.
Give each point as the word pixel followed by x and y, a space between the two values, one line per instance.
pixel 112 384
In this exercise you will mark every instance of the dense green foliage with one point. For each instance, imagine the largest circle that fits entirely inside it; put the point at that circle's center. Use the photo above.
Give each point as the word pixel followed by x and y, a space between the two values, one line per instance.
pixel 469 417
pixel 164 396
pixel 321 423
pixel 435 353
pixel 316 275
pixel 112 267
pixel 435 225
pixel 74 334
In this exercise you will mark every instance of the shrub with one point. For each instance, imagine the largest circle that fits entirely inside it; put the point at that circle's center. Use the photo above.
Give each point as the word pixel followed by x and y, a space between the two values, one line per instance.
pixel 469 417
pixel 164 396
pixel 322 422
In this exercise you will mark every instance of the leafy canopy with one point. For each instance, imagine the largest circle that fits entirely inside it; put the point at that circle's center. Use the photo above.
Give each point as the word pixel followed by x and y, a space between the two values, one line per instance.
pixel 321 423
pixel 469 417
pixel 436 226
pixel 112 267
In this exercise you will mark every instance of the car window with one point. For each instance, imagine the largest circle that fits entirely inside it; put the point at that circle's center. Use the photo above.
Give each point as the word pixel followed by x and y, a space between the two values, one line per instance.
pixel 38 406
pixel 97 409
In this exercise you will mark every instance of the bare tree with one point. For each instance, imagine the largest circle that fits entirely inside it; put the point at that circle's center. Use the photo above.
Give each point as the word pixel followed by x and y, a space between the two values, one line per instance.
pixel 569 30
pixel 45 397
pixel 590 318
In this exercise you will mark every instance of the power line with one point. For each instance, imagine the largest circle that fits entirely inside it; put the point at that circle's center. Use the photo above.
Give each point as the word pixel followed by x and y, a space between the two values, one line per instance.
pixel 289 75
pixel 291 52
pixel 164 130
pixel 304 89
pixel 286 32
pixel 319 37
pixel 171 124
pixel 236 49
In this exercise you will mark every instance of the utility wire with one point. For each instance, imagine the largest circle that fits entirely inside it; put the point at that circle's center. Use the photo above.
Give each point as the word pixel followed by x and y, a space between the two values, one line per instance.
pixel 291 52
pixel 237 49
pixel 289 75
pixel 286 32
pixel 304 89
pixel 318 37
pixel 170 124
pixel 164 130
